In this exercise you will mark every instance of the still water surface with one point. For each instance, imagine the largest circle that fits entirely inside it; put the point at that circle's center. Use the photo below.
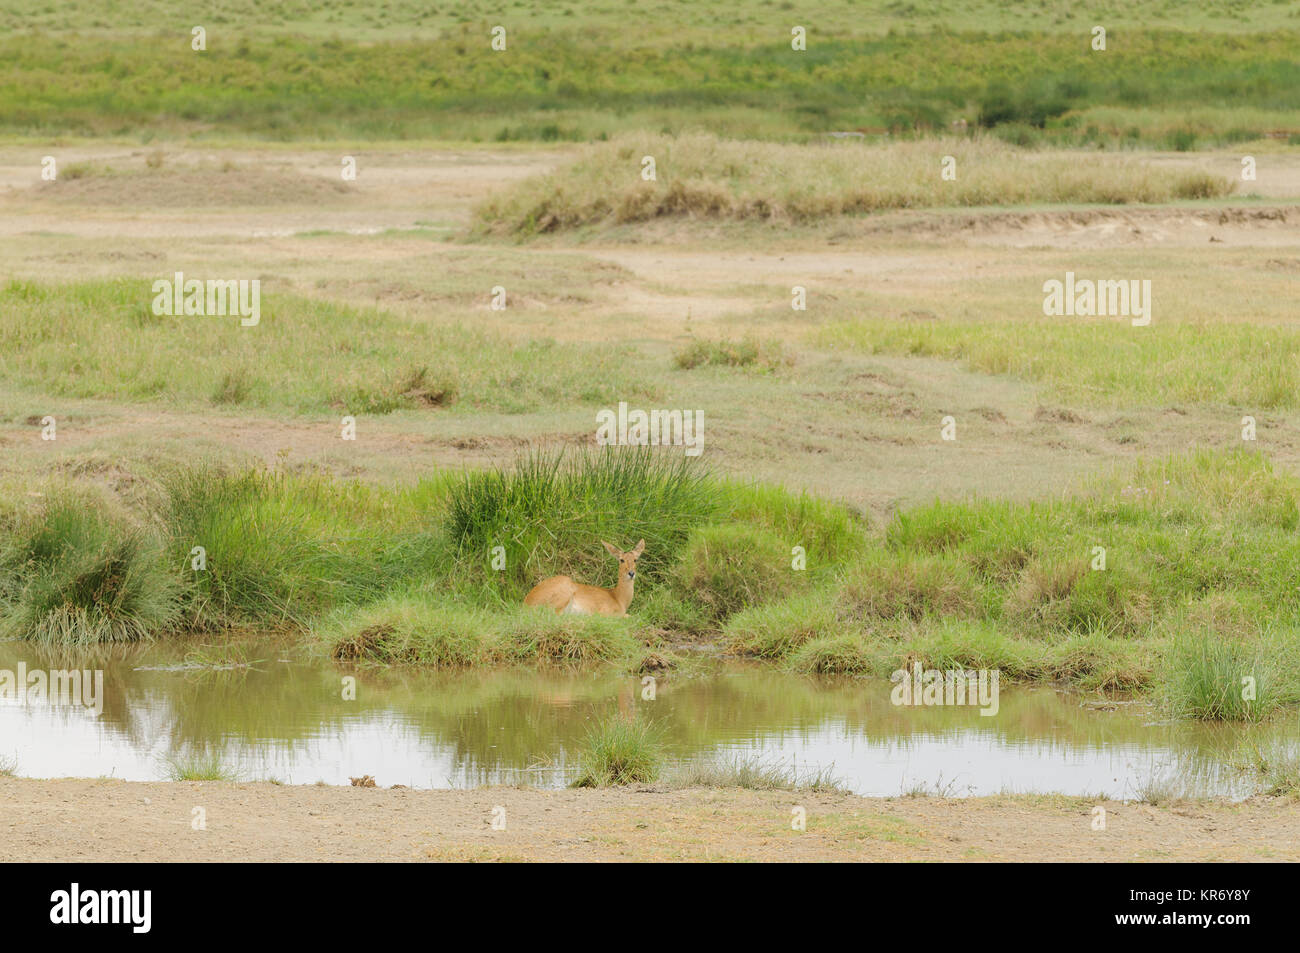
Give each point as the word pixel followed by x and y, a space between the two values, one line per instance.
pixel 285 718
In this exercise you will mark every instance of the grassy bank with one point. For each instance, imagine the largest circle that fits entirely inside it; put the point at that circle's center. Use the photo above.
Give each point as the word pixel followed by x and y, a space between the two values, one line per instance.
pixel 1194 590
pixel 1152 87
pixel 703 177
pixel 1175 579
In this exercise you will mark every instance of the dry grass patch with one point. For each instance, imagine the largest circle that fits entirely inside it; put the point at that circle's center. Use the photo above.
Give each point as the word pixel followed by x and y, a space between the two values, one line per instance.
pixel 701 176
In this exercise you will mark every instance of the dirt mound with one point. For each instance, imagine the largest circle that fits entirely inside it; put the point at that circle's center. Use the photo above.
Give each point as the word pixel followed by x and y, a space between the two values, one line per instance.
pixel 1066 218
pixel 1105 227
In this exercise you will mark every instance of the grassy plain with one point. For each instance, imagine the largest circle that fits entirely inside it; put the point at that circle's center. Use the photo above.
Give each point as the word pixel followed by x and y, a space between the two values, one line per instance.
pixel 822 425
pixel 594 71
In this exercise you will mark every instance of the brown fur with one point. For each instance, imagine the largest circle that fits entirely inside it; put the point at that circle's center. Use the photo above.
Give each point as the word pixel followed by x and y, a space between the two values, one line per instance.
pixel 564 595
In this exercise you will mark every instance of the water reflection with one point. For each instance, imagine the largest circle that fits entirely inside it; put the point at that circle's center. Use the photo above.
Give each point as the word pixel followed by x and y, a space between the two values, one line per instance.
pixel 287 718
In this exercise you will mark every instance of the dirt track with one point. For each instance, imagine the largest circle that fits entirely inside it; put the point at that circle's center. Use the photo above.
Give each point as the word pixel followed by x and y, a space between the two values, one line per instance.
pixel 104 820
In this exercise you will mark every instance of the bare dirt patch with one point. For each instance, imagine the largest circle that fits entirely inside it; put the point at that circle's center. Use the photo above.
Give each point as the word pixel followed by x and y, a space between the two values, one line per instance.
pixel 103 820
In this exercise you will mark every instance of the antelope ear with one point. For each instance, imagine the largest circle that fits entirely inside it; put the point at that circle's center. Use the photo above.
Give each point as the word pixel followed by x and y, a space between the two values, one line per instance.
pixel 640 548
pixel 612 551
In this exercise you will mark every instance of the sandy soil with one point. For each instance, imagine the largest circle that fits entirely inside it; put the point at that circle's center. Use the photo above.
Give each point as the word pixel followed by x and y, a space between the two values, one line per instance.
pixel 105 820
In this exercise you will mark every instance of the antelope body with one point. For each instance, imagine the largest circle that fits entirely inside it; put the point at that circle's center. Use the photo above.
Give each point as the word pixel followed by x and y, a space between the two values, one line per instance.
pixel 566 596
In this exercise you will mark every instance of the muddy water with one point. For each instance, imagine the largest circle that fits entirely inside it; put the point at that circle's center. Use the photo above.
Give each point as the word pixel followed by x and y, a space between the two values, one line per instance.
pixel 284 717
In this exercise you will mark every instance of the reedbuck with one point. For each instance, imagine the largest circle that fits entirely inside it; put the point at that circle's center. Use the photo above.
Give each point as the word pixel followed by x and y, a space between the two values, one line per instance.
pixel 564 595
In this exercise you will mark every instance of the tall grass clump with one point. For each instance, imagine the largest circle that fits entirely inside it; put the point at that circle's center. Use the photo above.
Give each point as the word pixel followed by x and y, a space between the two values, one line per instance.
pixel 774 629
pixel 540 635
pixel 279 549
pixel 406 628
pixel 617 751
pixel 74 572
pixel 206 766
pixel 908 585
pixel 1208 678
pixel 749 352
pixel 845 654
pixel 1098 661
pixel 960 644
pixel 829 533
pixel 550 512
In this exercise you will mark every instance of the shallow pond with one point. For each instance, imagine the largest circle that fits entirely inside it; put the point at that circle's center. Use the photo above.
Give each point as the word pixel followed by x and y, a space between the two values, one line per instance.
pixel 285 718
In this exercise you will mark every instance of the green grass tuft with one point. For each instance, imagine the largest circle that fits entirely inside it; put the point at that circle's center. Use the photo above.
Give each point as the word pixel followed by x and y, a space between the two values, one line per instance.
pixel 281 548
pixel 199 767
pixel 726 568
pixel 619 751
pixel 748 352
